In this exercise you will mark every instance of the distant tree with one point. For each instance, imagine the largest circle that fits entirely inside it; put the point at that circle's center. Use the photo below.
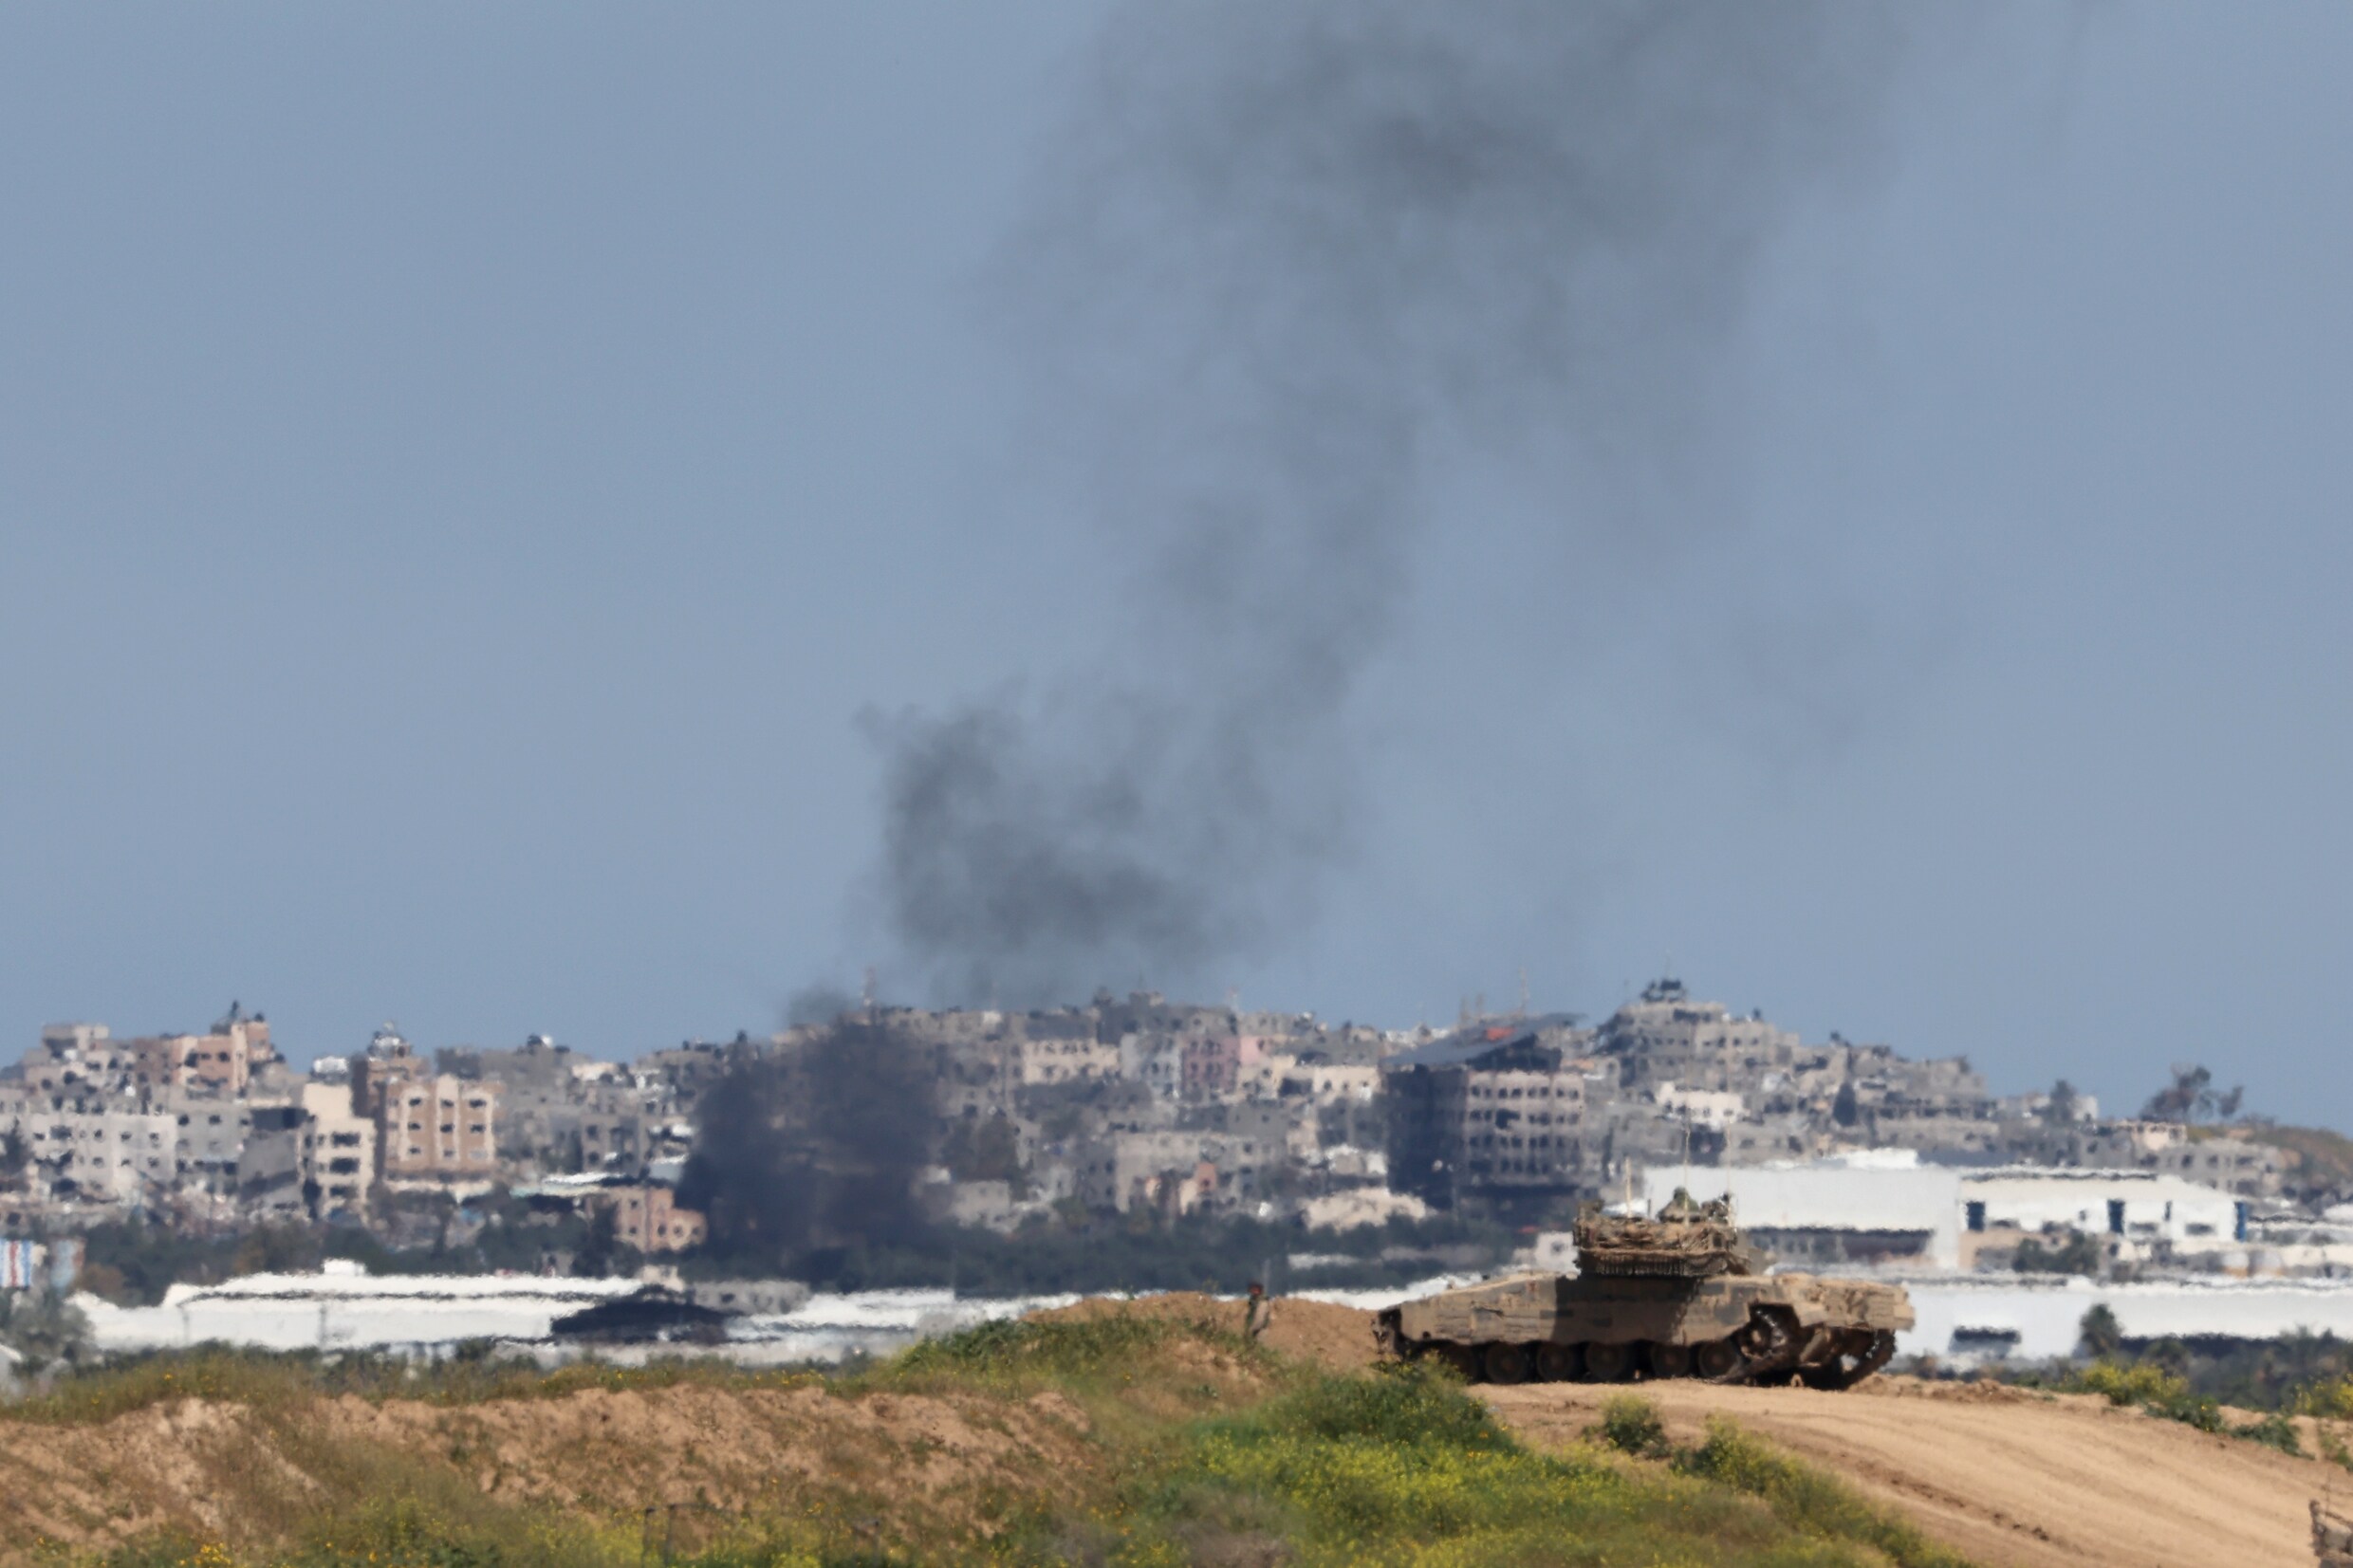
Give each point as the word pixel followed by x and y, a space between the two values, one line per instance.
pixel 2064 1105
pixel 2192 1096
pixel 2078 1254
pixel 2099 1336
pixel 276 1249
pixel 594 1260
pixel 1843 1110
pixel 43 1328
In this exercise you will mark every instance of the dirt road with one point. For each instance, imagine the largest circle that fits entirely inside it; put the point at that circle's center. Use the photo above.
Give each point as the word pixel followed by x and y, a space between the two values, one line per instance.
pixel 2004 1476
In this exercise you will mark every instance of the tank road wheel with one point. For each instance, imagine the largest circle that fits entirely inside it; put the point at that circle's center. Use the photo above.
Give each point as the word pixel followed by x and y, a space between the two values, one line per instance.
pixel 1769 1349
pixel 1463 1358
pixel 1609 1363
pixel 1559 1363
pixel 1507 1363
pixel 1669 1360
pixel 1716 1360
pixel 1856 1358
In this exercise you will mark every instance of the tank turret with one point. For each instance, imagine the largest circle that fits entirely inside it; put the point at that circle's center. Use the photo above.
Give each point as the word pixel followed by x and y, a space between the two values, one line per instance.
pixel 1685 1240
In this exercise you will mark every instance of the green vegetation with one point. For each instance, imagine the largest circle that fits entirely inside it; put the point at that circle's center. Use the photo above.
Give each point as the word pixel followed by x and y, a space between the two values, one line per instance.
pixel 275 1381
pixel 45 1329
pixel 1404 1467
pixel 1631 1425
pixel 2169 1395
pixel 1806 1500
pixel 2078 1254
pixel 1197 1447
pixel 2154 1389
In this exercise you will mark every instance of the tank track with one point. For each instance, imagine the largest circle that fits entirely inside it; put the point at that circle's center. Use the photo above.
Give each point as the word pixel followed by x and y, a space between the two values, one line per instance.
pixel 1769 1350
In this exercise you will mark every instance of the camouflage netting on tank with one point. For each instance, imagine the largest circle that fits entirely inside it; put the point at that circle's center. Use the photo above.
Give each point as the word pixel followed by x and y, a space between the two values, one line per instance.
pixel 1686 1240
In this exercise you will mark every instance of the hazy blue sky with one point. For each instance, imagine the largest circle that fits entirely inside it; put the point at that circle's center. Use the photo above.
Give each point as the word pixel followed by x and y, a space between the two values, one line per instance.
pixel 464 472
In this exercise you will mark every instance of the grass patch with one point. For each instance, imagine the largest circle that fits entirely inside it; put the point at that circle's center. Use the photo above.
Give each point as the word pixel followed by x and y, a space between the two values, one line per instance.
pixel 272 1380
pixel 2169 1396
pixel 1807 1499
pixel 1022 1352
pixel 1407 1470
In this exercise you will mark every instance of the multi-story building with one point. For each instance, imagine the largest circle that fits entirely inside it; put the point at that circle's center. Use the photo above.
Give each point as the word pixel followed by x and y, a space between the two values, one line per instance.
pixel 437 1130
pixel 388 1063
pixel 340 1152
pixel 221 1063
pixel 1493 1111
pixel 647 1216
pixel 123 1157
pixel 1159 1170
pixel 1667 1038
pixel 212 1134
pixel 1055 1049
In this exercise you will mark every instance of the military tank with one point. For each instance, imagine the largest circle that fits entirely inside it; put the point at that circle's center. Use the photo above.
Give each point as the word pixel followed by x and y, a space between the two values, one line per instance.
pixel 1678 1295
pixel 2332 1538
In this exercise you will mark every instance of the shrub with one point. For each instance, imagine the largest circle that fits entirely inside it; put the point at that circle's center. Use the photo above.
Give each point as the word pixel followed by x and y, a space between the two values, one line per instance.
pixel 2331 1400
pixel 1418 1405
pixel 2129 1383
pixel 2275 1431
pixel 2078 1254
pixel 1630 1424
pixel 1064 1346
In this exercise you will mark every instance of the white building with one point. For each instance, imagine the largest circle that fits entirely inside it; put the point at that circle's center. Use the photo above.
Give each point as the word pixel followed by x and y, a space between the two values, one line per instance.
pixel 1883 1206
pixel 345 1307
pixel 1964 1318
pixel 1876 1207
pixel 2145 1206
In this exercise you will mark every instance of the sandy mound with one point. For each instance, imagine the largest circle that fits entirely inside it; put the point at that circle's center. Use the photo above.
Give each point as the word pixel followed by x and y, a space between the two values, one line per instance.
pixel 1340 1337
pixel 220 1469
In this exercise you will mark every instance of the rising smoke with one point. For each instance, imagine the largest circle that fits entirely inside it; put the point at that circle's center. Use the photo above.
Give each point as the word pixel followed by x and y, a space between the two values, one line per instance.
pixel 813 1145
pixel 1280 260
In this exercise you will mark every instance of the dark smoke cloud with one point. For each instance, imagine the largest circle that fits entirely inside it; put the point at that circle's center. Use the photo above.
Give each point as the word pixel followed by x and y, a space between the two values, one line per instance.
pixel 813 1145
pixel 1280 260
pixel 819 1002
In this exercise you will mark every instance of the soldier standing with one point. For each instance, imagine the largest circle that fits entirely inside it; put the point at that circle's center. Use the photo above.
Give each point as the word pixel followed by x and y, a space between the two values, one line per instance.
pixel 1257 1312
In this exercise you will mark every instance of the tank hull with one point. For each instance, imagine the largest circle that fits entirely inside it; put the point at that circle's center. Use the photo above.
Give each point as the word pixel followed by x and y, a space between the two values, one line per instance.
pixel 1599 1327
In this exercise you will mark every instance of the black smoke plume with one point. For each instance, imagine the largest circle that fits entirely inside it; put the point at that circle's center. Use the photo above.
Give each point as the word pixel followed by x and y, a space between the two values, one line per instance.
pixel 1280 260
pixel 813 1144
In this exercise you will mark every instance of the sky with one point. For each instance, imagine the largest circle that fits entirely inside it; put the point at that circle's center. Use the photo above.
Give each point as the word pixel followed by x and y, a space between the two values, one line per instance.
pixel 473 479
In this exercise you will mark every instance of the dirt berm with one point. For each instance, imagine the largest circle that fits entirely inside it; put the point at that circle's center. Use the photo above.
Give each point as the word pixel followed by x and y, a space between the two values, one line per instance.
pixel 1337 1336
pixel 226 1469
pixel 2004 1476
